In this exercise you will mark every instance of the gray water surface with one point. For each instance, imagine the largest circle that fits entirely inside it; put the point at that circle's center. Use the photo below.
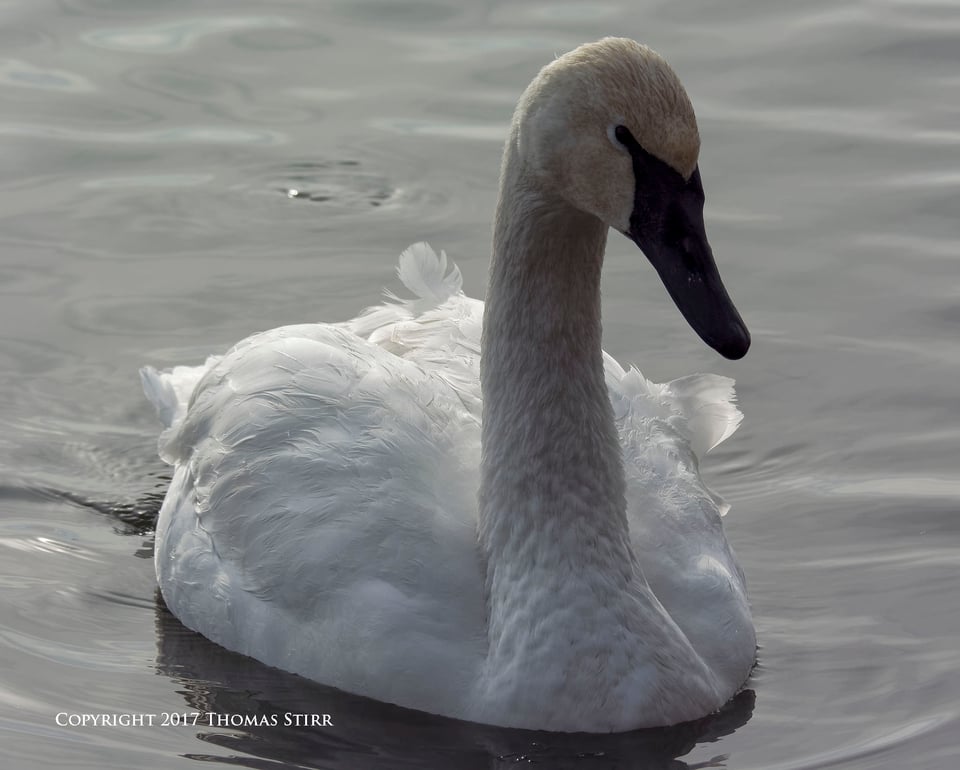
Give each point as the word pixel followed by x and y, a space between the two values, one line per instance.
pixel 149 154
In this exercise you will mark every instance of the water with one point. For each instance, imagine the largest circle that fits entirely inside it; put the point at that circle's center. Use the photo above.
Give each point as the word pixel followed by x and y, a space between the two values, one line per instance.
pixel 150 154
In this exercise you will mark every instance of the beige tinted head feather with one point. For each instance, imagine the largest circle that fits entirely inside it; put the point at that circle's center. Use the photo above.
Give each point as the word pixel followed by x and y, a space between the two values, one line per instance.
pixel 563 124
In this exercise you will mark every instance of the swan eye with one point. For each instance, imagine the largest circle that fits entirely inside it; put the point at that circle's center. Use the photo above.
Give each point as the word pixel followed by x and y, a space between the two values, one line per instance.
pixel 623 136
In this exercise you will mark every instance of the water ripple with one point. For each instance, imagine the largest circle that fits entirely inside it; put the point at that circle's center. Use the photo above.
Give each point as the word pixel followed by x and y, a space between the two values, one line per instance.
pixel 340 184
pixel 48 545
pixel 176 36
pixel 878 743
pixel 232 99
pixel 21 74
pixel 485 132
pixel 862 124
pixel 460 48
pixel 151 180
pixel 219 135
pixel 115 656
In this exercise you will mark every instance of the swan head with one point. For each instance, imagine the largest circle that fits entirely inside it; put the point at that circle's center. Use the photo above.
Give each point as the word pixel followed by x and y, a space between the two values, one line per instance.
pixel 610 128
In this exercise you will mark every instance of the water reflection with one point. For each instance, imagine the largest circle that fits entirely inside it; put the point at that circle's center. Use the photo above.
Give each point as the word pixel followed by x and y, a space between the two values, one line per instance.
pixel 369 734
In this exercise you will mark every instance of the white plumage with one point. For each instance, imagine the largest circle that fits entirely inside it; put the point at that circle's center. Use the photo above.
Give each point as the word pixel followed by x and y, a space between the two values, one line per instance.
pixel 323 518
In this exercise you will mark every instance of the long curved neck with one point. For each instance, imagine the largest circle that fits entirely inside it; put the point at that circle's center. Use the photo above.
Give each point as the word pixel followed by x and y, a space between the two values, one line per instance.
pixel 552 500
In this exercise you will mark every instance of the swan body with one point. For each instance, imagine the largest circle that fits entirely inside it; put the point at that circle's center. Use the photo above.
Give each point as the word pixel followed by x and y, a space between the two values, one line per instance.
pixel 351 504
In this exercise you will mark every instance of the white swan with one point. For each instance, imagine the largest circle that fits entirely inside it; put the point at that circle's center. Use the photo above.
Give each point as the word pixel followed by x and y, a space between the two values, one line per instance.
pixel 338 508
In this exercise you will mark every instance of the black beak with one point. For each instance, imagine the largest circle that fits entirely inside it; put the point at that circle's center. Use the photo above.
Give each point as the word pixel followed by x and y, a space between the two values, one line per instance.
pixel 667 225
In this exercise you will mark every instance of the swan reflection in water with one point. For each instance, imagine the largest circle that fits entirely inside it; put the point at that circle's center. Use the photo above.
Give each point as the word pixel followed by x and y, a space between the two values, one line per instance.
pixel 367 734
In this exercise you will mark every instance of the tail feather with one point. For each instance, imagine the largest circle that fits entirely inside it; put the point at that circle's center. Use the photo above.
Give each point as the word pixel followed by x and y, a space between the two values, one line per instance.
pixel 425 274
pixel 170 391
pixel 708 403
pixel 686 417
pixel 701 406
pixel 159 392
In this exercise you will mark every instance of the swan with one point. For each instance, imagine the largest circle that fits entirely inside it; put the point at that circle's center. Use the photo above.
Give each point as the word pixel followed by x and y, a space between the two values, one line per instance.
pixel 472 510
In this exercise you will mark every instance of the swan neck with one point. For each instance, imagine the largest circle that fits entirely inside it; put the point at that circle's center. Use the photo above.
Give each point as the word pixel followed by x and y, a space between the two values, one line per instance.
pixel 552 483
